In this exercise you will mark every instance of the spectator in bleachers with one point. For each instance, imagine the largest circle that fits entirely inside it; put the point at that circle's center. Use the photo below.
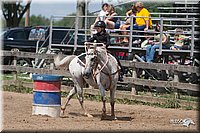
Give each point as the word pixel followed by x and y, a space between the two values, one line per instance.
pixel 143 20
pixel 112 22
pixel 124 26
pixel 179 39
pixel 100 17
pixel 155 44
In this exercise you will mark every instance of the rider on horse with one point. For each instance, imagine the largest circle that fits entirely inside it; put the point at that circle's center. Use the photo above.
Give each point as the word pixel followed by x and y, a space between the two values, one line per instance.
pixel 103 37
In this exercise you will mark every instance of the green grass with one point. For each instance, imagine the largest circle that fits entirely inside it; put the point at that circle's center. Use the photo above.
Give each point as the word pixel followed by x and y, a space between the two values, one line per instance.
pixel 171 101
pixel 189 98
pixel 17 88
pixel 170 96
pixel 21 77
pixel 7 77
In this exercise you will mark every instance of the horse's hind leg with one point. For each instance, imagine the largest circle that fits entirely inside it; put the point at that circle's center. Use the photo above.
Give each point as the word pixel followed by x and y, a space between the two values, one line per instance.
pixel 69 96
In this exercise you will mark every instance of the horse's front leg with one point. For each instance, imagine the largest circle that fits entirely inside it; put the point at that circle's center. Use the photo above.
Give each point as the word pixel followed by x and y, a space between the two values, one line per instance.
pixel 112 104
pixel 103 99
pixel 69 96
pixel 80 98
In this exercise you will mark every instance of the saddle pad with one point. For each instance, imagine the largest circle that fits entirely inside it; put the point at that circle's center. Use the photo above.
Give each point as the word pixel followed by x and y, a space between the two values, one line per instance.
pixel 82 57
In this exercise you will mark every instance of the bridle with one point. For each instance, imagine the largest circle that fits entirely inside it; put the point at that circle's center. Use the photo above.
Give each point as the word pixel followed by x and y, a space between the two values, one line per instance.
pixel 96 68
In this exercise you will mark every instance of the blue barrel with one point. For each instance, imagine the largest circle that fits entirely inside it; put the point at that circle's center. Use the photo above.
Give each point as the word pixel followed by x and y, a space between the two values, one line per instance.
pixel 46 98
pixel 46 95
pixel 46 77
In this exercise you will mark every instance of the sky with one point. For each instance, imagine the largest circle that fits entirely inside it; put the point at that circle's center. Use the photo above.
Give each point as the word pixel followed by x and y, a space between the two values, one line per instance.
pixel 61 7
pixel 47 8
pixel 65 7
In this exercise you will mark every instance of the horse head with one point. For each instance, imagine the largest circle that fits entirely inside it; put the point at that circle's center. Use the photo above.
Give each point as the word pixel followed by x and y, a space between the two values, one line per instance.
pixel 91 62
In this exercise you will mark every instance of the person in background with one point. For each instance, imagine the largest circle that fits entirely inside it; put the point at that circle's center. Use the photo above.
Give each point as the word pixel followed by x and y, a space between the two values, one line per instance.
pixel 155 44
pixel 179 39
pixel 124 26
pixel 143 20
pixel 111 21
pixel 131 11
pixel 100 17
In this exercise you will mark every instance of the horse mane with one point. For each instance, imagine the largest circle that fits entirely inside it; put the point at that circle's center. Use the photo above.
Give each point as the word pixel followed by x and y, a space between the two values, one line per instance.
pixel 102 51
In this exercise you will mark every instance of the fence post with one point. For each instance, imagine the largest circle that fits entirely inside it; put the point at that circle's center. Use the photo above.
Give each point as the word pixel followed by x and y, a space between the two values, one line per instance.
pixel 192 39
pixel 50 32
pixel 134 75
pixel 76 32
pixel 15 72
pixel 130 37
pixel 161 34
pixel 86 9
pixel 51 65
pixel 176 79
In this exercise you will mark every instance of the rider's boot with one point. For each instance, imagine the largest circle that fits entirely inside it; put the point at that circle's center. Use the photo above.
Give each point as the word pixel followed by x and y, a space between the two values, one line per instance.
pixel 120 78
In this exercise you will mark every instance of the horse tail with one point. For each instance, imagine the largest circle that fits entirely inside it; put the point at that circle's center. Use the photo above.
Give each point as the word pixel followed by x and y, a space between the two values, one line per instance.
pixel 64 62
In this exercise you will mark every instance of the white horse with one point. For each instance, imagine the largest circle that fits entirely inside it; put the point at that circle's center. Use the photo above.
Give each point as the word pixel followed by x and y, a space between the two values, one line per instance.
pixel 100 70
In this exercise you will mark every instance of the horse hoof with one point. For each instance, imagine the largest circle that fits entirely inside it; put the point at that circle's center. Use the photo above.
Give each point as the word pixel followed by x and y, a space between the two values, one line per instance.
pixel 89 115
pixel 64 116
pixel 61 113
pixel 103 116
pixel 62 108
pixel 113 118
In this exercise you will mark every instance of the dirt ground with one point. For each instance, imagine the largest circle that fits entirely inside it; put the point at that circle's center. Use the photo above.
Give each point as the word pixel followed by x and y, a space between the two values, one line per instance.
pixel 17 113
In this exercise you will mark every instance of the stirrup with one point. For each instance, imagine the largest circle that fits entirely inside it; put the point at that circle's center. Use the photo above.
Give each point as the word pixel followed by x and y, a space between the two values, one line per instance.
pixel 120 78
pixel 119 68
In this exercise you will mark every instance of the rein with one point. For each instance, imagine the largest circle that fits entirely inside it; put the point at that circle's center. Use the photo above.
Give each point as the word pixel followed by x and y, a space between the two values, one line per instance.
pixel 104 64
pixel 100 69
pixel 106 73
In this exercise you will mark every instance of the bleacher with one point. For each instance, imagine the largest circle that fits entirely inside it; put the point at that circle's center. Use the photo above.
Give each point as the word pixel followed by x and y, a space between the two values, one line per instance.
pixel 185 16
pixel 181 17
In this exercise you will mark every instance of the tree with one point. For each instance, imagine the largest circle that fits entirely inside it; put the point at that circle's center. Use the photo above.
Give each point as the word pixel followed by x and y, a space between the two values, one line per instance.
pixel 36 21
pixel 14 11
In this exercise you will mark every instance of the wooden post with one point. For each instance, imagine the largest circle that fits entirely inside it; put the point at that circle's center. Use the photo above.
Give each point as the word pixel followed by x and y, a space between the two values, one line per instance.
pixel 51 65
pixel 134 75
pixel 192 40
pixel 15 72
pixel 27 21
pixel 86 8
pixel 130 37
pixel 76 28
pixel 161 34
pixel 50 33
pixel 176 79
